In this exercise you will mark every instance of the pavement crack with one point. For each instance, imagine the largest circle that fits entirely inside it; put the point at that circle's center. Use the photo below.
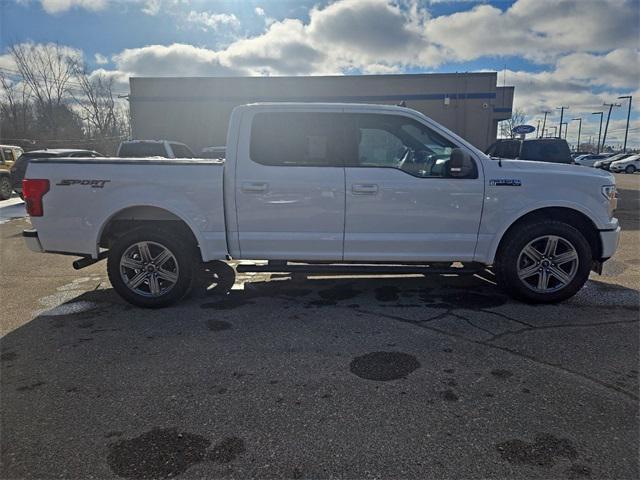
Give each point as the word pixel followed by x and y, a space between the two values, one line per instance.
pixel 531 358
pixel 559 326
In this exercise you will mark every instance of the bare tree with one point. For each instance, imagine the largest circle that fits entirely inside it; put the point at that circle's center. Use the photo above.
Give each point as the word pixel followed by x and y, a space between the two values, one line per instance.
pixel 507 126
pixel 97 102
pixel 16 108
pixel 47 70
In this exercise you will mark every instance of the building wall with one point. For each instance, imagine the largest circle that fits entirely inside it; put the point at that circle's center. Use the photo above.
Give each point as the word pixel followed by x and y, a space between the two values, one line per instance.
pixel 196 110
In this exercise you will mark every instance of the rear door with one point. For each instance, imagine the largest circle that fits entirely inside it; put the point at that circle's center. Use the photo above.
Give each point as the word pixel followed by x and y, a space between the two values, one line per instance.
pixel 290 186
pixel 401 206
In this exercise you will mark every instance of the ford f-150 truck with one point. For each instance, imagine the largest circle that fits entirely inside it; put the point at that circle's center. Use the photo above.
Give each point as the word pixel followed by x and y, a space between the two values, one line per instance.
pixel 330 188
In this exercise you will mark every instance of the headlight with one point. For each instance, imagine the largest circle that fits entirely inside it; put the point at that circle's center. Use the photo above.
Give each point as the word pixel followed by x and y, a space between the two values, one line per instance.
pixel 610 192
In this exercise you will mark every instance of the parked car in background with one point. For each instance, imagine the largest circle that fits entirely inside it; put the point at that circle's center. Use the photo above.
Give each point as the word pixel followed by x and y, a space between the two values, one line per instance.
pixel 217 153
pixel 589 160
pixel 154 148
pixel 20 166
pixel 8 155
pixel 554 150
pixel 628 165
pixel 606 162
pixel 575 155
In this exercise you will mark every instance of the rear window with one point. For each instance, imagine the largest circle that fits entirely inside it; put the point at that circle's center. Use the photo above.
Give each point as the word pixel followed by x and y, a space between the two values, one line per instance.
pixel 142 149
pixel 546 151
pixel 297 139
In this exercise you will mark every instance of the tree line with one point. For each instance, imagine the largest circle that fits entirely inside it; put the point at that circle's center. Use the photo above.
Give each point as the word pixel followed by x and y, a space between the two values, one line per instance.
pixel 49 99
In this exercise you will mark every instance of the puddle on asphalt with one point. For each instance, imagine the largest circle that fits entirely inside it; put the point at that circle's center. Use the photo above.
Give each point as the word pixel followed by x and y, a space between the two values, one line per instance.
pixel 227 450
pixel 501 373
pixel 384 366
pixel 165 453
pixel 218 325
pixel 543 451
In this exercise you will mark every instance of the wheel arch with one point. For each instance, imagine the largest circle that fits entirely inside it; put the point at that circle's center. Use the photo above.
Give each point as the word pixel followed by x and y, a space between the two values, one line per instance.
pixel 567 215
pixel 123 220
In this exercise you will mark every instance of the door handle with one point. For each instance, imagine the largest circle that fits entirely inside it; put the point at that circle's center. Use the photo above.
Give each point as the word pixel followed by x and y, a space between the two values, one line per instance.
pixel 254 187
pixel 364 188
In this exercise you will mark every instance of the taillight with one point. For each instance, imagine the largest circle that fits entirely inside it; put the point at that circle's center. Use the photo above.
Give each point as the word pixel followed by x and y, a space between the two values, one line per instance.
pixel 33 189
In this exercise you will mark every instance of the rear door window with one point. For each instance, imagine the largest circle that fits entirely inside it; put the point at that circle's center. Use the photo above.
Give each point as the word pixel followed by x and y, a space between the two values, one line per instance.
pixel 303 139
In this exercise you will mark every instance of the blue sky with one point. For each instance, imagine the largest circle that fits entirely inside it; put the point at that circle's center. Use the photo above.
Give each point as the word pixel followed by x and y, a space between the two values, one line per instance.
pixel 581 52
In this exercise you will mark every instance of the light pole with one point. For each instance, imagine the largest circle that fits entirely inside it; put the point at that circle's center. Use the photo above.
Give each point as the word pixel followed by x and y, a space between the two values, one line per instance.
pixel 566 127
pixel 610 105
pixel 562 109
pixel 555 130
pixel 579 130
pixel 599 131
pixel 626 131
pixel 538 129
pixel 544 122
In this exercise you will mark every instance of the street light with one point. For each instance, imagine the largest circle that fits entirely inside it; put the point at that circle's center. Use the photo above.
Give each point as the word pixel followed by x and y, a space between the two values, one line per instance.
pixel 599 131
pixel 579 130
pixel 610 105
pixel 562 109
pixel 555 130
pixel 566 127
pixel 626 131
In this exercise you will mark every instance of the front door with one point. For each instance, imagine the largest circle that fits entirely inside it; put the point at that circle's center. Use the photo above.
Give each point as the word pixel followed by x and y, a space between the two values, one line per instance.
pixel 401 206
pixel 290 190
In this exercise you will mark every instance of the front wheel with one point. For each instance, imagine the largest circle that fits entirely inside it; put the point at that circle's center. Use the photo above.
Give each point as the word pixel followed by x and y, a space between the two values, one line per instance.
pixel 151 268
pixel 5 188
pixel 630 169
pixel 543 262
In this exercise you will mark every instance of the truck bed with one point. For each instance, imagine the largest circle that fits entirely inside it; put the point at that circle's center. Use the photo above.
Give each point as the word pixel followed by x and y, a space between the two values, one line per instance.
pixel 86 193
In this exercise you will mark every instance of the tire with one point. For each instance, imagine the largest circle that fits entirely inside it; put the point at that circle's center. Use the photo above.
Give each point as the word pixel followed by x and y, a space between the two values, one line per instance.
pixel 154 284
pixel 630 169
pixel 521 276
pixel 6 188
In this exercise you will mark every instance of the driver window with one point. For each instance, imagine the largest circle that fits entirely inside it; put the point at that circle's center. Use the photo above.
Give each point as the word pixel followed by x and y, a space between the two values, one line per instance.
pixel 393 141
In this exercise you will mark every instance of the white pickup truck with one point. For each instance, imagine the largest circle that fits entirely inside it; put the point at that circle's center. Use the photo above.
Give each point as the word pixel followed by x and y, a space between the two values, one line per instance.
pixel 331 188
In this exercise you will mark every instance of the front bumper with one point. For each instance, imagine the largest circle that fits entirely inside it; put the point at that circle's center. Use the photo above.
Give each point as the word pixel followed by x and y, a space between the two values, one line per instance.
pixel 32 240
pixel 609 240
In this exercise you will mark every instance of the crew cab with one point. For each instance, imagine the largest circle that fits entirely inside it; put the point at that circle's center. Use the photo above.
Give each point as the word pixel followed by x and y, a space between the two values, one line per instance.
pixel 331 188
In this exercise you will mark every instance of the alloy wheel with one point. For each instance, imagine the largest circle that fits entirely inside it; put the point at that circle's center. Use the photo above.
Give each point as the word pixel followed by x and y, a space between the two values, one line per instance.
pixel 149 269
pixel 548 264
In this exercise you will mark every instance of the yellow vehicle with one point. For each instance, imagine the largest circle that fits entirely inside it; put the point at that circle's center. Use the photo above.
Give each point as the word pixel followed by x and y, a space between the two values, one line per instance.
pixel 8 155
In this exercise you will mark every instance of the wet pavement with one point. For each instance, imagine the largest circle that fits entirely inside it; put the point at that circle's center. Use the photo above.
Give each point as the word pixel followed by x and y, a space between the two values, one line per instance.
pixel 315 377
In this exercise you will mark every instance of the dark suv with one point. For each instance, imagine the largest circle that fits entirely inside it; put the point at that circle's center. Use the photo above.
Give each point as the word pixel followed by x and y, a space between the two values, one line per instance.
pixel 20 167
pixel 554 150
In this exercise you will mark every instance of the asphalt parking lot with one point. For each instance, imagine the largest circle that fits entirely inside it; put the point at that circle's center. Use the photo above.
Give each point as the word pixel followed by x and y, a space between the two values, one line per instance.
pixel 396 377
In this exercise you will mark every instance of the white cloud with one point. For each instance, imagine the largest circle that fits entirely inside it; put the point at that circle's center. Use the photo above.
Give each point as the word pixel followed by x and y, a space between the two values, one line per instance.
pixel 151 7
pixel 100 59
pixel 537 29
pixel 259 11
pixel 59 6
pixel 213 21
pixel 619 68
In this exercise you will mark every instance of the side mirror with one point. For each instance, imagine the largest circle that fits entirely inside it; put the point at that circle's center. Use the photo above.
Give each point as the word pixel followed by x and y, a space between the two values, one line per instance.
pixel 460 164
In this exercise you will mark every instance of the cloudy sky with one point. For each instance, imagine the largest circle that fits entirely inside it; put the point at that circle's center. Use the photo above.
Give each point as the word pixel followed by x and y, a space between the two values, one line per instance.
pixel 579 53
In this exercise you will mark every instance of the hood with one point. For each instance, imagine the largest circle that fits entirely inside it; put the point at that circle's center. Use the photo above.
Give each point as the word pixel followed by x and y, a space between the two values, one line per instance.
pixel 526 166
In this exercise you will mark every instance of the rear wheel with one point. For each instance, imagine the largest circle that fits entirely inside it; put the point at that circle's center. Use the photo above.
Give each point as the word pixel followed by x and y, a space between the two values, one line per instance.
pixel 5 188
pixel 543 262
pixel 151 268
pixel 630 169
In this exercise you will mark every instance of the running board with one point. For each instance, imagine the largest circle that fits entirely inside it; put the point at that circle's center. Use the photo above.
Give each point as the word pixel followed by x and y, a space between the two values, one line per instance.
pixel 351 269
